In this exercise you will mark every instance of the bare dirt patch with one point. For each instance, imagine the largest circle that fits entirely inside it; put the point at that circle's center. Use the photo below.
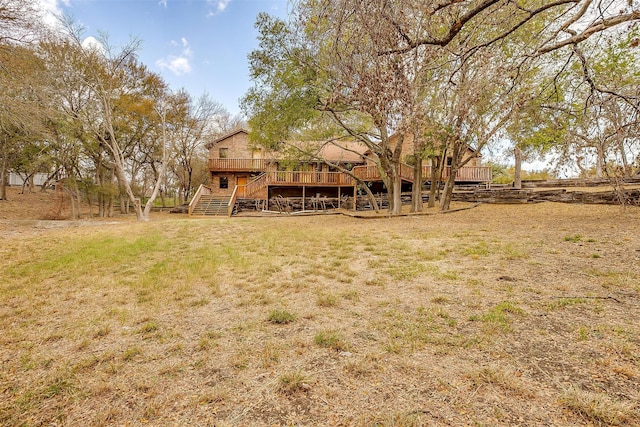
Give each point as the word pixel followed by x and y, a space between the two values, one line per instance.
pixel 33 212
pixel 498 315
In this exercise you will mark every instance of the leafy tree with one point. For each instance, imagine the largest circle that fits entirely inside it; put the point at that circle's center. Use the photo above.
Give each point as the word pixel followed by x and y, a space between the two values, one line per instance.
pixel 373 81
pixel 110 83
pixel 22 112
pixel 323 76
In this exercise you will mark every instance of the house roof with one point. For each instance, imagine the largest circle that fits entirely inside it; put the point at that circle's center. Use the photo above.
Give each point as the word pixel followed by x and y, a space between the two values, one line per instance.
pixel 343 152
pixel 331 151
pixel 337 152
pixel 408 144
pixel 234 132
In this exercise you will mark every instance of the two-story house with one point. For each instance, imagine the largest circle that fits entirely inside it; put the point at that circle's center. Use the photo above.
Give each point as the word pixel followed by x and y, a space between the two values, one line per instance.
pixel 240 170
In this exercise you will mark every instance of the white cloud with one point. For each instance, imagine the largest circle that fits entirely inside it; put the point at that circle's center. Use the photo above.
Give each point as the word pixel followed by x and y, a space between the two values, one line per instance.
pixel 163 3
pixel 178 64
pixel 91 43
pixel 52 10
pixel 219 6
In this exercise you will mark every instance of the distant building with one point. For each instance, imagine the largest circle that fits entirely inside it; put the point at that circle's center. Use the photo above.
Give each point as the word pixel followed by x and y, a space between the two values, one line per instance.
pixel 19 180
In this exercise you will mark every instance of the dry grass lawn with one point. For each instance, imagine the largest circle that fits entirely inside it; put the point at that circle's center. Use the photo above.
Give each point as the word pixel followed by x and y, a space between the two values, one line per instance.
pixel 493 316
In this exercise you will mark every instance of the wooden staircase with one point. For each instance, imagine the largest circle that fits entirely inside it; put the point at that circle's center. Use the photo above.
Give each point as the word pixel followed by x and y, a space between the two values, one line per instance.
pixel 209 205
pixel 257 188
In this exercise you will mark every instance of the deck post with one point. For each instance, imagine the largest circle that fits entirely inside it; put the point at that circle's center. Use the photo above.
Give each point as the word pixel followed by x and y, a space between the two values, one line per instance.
pixel 355 198
pixel 339 196
pixel 303 194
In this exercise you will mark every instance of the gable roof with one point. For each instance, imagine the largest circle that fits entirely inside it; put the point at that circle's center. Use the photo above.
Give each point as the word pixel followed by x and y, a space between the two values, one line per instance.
pixel 337 152
pixel 408 144
pixel 230 134
pixel 343 152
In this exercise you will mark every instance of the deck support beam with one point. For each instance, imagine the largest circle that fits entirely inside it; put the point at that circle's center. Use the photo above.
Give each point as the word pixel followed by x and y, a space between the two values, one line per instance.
pixel 355 197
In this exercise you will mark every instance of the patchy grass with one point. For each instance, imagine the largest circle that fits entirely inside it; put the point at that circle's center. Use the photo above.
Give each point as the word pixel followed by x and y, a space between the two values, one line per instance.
pixel 331 339
pixel 599 408
pixel 324 320
pixel 292 382
pixel 281 317
pixel 499 316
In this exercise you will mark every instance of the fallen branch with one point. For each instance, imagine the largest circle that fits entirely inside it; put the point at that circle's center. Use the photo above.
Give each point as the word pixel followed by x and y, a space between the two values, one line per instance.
pixel 607 297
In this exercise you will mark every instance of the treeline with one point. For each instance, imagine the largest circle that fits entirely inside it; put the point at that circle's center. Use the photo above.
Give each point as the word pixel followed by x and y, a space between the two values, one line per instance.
pixel 95 119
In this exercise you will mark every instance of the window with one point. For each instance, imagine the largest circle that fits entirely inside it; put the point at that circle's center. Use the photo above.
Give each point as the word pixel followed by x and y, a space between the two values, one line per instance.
pixel 449 161
pixel 224 153
pixel 224 182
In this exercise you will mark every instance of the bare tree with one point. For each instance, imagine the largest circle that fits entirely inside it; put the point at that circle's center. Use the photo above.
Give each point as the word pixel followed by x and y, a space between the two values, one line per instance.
pixel 19 22
pixel 106 78
pixel 195 122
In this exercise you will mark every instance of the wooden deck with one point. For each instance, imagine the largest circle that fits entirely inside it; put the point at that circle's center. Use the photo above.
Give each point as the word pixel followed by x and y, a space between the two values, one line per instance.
pixel 239 165
pixel 296 178
pixel 465 174
pixel 257 187
pixel 372 173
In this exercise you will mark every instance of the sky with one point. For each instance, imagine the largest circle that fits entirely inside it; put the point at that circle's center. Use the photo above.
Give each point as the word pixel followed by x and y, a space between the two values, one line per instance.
pixel 198 45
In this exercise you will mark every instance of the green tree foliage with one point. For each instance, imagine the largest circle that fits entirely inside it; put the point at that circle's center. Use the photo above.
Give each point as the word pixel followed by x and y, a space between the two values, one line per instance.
pixel 467 73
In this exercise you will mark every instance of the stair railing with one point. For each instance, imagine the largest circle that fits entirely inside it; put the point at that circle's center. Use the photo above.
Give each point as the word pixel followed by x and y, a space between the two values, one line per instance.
pixel 232 201
pixel 255 185
pixel 202 190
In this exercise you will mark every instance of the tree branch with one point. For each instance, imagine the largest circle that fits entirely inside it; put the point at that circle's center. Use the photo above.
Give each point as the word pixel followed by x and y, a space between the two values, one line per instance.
pixel 592 29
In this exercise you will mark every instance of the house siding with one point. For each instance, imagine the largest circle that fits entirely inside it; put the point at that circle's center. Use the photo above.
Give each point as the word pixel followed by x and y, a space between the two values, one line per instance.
pixel 237 147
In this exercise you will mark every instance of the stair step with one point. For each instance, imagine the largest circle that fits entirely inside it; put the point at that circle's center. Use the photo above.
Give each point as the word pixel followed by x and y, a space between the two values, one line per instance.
pixel 209 205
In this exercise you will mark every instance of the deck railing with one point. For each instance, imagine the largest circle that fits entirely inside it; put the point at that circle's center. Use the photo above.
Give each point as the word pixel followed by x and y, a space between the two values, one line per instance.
pixel 238 164
pixel 367 173
pixel 464 174
pixel 406 172
pixel 310 178
pixel 372 173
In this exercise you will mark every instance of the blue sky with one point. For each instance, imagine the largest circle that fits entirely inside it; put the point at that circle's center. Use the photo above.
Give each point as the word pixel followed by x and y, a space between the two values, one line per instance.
pixel 199 45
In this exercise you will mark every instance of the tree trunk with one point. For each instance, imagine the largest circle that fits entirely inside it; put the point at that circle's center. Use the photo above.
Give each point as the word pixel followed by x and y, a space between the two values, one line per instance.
pixel 395 192
pixel 100 196
pixel 517 178
pixel 435 182
pixel 156 191
pixel 122 179
pixel 71 186
pixel 600 161
pixel 24 183
pixel 625 163
pixel 372 198
pixel 123 203
pixel 447 193
pixel 4 169
pixel 416 190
